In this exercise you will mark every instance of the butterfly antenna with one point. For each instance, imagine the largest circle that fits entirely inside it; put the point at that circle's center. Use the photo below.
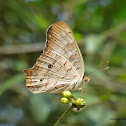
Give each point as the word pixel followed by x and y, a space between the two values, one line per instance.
pixel 99 68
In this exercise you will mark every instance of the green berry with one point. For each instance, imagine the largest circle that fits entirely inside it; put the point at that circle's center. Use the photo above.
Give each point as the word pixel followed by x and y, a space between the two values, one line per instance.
pixel 64 100
pixel 67 94
pixel 80 103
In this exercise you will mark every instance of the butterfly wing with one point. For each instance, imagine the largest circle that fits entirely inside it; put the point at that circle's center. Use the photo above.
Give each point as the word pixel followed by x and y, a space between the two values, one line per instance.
pixel 60 39
pixel 59 65
pixel 52 73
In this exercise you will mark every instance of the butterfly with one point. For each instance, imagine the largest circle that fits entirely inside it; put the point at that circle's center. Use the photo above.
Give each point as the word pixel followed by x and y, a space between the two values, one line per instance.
pixel 61 64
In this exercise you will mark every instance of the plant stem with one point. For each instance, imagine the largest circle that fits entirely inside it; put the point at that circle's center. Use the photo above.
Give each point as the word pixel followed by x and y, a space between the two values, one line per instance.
pixel 64 115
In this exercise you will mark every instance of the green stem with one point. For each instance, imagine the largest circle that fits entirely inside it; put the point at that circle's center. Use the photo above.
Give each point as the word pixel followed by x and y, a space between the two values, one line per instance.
pixel 64 115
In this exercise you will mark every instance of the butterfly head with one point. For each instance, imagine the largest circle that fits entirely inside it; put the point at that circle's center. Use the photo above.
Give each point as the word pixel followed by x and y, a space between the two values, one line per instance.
pixel 86 79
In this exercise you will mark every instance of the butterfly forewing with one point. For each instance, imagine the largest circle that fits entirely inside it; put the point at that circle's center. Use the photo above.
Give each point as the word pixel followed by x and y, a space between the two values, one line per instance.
pixel 60 65
pixel 61 40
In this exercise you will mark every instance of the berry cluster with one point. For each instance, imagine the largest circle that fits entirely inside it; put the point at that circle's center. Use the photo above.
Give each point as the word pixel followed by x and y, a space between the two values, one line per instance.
pixel 68 98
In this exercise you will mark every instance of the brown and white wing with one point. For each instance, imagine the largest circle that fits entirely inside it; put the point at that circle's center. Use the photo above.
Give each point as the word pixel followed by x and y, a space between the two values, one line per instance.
pixel 52 73
pixel 60 39
pixel 60 65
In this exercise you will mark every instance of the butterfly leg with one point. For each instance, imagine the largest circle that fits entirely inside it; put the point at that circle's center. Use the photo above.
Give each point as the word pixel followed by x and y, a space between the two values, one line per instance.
pixel 85 93
pixel 82 92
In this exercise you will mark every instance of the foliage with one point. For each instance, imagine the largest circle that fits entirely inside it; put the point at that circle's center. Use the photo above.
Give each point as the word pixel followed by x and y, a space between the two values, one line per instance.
pixel 99 27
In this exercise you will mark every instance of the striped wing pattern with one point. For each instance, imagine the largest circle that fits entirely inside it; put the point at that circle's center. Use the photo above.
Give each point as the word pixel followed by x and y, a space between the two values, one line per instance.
pixel 60 65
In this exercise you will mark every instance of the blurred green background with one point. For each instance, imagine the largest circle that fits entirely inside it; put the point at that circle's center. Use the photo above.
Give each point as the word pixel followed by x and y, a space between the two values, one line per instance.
pixel 99 27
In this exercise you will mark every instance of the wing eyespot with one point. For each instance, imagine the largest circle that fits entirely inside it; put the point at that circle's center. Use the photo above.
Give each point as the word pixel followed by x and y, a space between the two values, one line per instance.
pixel 49 66
pixel 40 79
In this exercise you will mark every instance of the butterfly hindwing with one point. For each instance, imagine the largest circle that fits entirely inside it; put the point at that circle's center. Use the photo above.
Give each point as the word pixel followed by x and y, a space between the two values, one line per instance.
pixel 51 72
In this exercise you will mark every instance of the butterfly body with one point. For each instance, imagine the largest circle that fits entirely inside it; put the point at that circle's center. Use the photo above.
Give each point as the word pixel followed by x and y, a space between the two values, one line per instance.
pixel 60 66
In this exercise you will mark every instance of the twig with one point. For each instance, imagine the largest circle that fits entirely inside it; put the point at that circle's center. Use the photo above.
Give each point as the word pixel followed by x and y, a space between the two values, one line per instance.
pixel 24 48
pixel 114 32
pixel 64 115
